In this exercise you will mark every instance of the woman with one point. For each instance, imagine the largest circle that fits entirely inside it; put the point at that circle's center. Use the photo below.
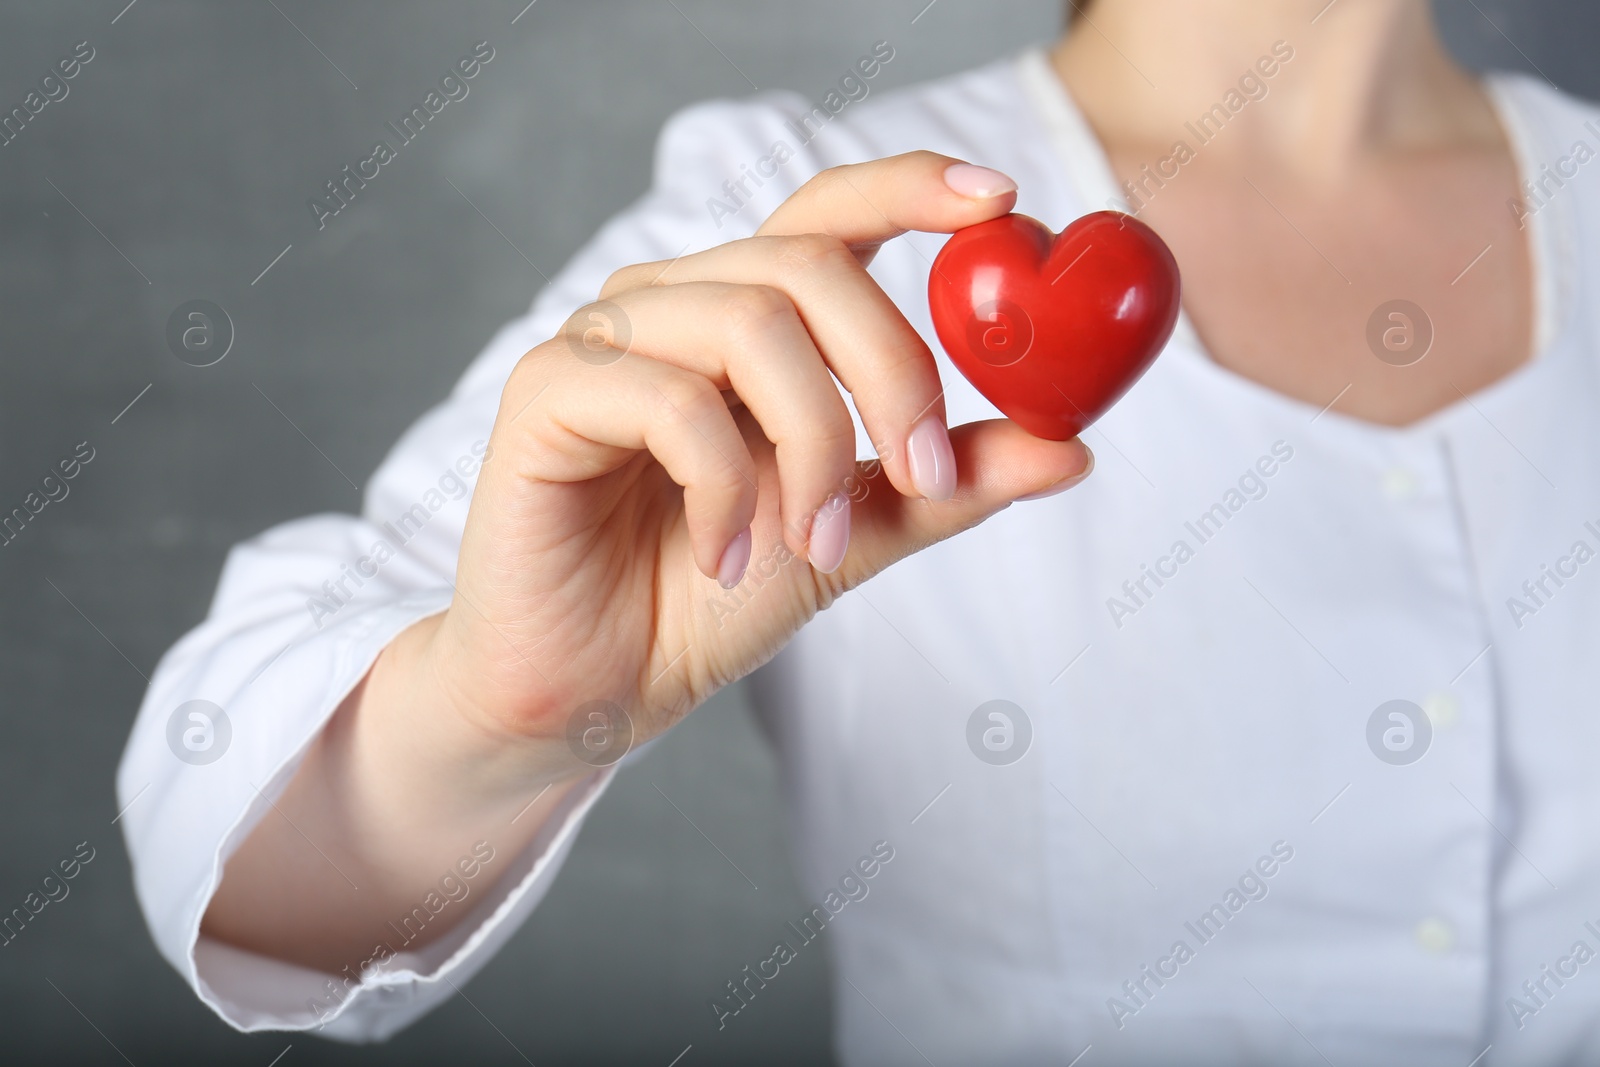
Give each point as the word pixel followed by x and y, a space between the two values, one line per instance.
pixel 1296 741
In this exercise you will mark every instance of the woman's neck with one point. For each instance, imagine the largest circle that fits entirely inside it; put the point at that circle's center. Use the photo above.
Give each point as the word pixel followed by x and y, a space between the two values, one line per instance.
pixel 1366 77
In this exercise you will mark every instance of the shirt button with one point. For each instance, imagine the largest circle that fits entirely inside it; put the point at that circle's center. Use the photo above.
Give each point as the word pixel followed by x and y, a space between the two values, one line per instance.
pixel 1400 484
pixel 1443 710
pixel 1436 936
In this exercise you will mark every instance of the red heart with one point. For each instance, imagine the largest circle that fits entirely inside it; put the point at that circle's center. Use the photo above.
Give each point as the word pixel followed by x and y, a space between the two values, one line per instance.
pixel 1053 330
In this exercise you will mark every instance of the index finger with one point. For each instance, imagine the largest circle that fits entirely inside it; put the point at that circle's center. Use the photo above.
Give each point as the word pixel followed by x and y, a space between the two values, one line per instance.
pixel 866 204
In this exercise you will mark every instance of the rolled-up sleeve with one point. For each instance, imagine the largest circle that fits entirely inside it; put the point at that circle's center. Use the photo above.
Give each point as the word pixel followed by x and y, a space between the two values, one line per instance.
pixel 303 610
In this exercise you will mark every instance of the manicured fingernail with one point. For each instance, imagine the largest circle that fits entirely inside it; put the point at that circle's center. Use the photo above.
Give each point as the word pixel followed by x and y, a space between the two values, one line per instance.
pixel 933 461
pixel 735 558
pixel 979 183
pixel 1063 486
pixel 830 534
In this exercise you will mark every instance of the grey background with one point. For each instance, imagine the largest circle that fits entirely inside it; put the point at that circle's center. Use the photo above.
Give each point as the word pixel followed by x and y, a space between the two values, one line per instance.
pixel 192 141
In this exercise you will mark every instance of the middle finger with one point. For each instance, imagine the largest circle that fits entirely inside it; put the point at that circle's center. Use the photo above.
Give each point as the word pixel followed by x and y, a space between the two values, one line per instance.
pixel 874 352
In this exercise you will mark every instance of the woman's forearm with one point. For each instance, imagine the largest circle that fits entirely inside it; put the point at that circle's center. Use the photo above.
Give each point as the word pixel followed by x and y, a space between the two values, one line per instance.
pixel 396 821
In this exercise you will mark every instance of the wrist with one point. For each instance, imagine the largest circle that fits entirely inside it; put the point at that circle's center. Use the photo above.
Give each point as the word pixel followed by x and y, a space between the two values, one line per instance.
pixel 414 724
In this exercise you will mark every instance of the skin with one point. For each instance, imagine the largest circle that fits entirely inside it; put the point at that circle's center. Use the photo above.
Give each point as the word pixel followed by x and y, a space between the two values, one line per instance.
pixel 1376 146
pixel 597 529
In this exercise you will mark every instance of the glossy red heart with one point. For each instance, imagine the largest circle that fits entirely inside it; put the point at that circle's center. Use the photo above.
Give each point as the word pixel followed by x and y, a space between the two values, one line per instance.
pixel 1053 330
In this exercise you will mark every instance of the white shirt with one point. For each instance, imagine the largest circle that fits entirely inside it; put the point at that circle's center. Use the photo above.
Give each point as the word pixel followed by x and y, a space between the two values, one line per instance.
pixel 1214 725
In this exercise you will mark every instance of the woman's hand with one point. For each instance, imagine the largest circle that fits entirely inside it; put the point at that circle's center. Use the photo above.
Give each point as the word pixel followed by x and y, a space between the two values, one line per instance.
pixel 688 423
pixel 683 426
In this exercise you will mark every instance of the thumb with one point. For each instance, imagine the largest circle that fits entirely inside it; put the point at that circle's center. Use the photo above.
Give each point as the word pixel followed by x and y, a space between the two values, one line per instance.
pixel 997 462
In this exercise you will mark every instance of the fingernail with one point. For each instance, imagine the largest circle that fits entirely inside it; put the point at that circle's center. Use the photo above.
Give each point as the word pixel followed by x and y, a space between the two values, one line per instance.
pixel 979 183
pixel 830 534
pixel 933 461
pixel 735 558
pixel 1062 486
